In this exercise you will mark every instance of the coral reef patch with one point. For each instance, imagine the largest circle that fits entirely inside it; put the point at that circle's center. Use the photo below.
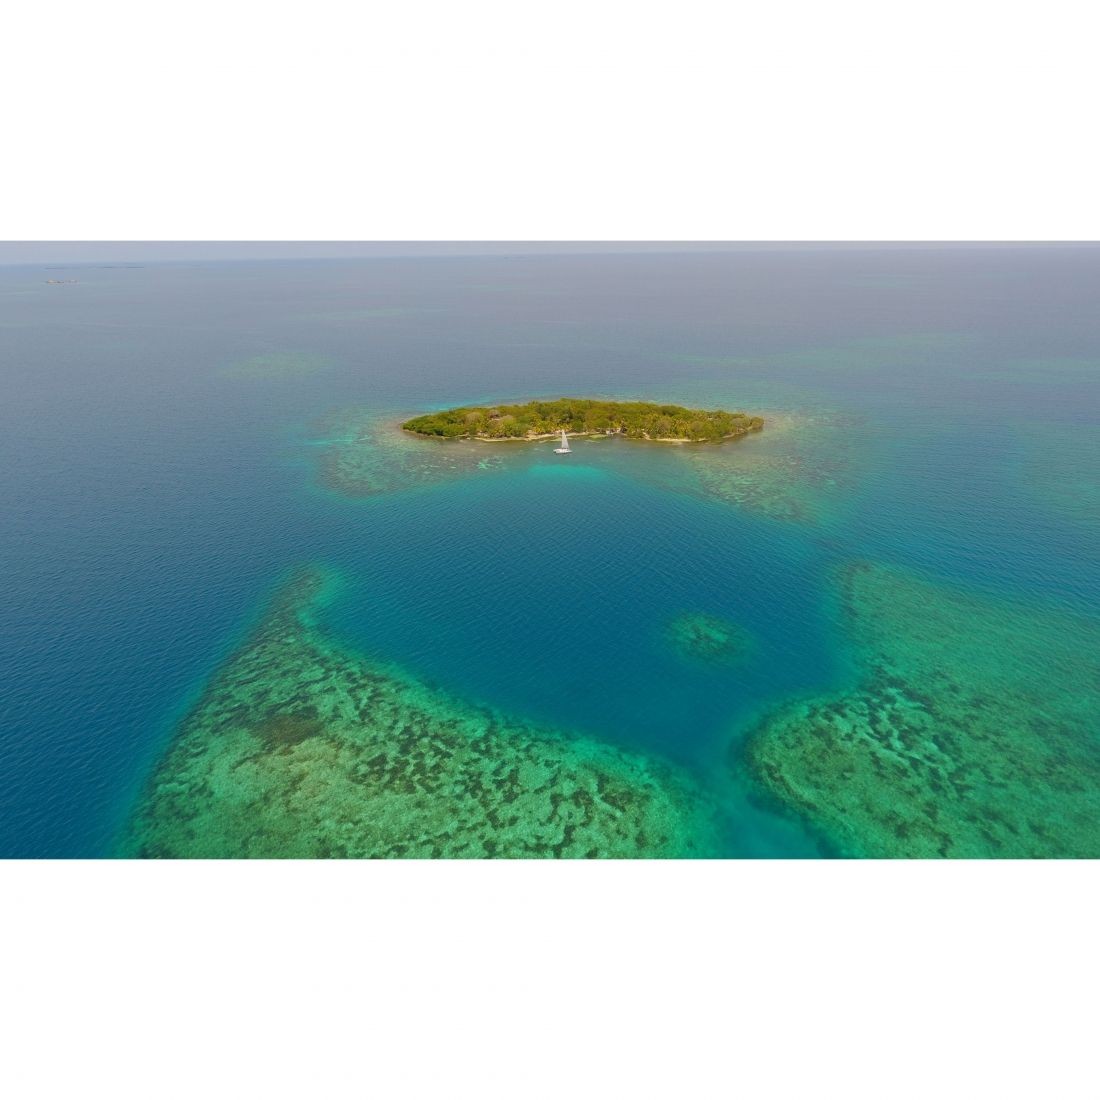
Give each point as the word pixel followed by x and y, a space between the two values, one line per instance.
pixel 794 472
pixel 709 639
pixel 972 733
pixel 301 749
pixel 365 455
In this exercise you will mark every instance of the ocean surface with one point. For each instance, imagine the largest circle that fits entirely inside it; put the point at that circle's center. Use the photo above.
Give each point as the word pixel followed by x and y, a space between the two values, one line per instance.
pixel 163 440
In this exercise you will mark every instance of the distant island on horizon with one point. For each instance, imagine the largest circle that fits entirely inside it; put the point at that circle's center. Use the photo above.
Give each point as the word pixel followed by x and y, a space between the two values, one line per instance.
pixel 580 416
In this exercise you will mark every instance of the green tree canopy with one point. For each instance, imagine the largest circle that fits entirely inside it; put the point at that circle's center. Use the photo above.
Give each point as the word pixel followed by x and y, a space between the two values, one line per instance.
pixel 633 419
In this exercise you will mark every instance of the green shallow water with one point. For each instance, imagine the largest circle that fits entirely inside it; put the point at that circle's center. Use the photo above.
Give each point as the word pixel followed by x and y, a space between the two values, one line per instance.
pixel 971 731
pixel 300 749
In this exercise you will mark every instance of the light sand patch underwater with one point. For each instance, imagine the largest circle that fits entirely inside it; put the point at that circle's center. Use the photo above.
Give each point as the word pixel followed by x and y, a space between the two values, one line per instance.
pixel 301 749
pixel 972 734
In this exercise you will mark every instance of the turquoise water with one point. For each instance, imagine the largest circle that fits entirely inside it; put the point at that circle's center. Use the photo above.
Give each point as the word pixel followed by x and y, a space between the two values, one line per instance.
pixel 162 435
pixel 550 592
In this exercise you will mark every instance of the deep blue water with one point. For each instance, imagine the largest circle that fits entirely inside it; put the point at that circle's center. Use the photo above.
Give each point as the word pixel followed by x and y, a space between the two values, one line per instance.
pixel 549 592
pixel 153 494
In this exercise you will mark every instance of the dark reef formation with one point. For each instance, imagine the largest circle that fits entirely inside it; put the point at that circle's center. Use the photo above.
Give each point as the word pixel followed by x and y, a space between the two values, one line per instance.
pixel 300 749
pixel 971 734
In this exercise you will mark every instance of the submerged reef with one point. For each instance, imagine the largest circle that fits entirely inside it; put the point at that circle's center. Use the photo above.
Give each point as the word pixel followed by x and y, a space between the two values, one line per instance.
pixel 709 639
pixel 793 472
pixel 364 455
pixel 798 471
pixel 300 749
pixel 972 732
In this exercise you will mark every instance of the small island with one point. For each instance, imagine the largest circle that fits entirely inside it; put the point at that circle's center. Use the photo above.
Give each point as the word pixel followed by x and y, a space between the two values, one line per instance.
pixel 580 416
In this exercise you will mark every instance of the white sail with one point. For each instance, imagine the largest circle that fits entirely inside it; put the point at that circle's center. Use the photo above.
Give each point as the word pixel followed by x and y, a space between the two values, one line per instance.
pixel 564 440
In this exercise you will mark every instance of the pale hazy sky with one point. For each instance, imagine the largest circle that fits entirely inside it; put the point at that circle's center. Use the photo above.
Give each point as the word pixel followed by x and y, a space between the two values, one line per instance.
pixel 65 252
pixel 31 252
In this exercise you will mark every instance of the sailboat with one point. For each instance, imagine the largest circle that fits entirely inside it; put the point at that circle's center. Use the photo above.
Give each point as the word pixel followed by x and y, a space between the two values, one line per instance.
pixel 564 448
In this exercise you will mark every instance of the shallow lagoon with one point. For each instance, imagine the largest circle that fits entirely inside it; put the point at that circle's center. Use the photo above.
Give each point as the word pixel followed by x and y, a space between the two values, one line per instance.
pixel 172 432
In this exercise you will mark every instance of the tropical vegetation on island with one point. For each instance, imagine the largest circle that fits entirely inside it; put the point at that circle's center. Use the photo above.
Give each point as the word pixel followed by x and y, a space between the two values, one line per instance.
pixel 581 416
